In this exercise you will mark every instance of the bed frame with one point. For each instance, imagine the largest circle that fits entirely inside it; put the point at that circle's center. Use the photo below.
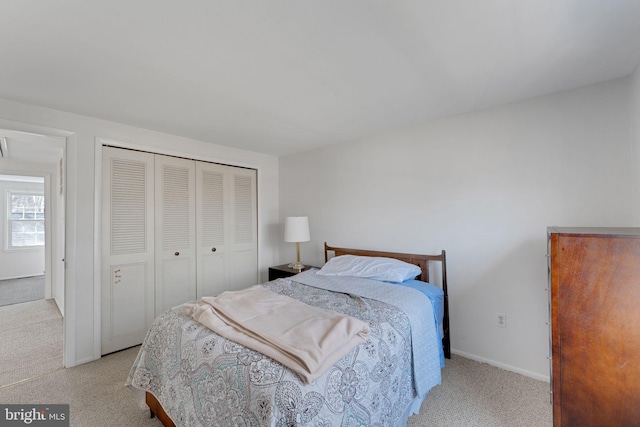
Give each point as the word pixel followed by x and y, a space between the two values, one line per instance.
pixel 422 261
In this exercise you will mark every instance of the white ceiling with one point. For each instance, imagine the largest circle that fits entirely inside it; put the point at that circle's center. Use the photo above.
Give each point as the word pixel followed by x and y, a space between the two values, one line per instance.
pixel 285 76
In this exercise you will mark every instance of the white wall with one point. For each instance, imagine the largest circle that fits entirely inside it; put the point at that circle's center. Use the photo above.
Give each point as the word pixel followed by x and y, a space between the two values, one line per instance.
pixel 82 296
pixel 23 262
pixel 484 187
pixel 635 137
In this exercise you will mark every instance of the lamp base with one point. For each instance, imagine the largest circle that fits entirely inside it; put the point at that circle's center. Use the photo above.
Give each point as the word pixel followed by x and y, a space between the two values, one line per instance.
pixel 297 266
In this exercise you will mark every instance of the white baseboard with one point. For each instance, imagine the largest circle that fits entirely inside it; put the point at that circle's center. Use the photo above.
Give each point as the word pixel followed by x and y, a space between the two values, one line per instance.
pixel 504 366
pixel 23 276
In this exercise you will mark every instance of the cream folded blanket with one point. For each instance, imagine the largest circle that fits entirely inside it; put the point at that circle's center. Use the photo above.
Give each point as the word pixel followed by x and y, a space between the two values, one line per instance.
pixel 307 339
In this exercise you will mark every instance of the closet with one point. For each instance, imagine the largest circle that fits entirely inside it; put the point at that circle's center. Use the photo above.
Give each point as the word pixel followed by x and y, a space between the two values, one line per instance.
pixel 594 276
pixel 173 230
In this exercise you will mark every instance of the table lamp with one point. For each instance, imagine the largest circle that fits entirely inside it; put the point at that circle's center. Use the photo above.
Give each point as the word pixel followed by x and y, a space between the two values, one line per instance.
pixel 296 229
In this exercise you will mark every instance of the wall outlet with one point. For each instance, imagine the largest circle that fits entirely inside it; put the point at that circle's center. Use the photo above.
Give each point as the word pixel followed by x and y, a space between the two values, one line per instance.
pixel 501 320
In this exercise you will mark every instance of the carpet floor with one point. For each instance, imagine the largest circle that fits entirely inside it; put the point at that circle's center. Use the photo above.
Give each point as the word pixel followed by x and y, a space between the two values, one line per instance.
pixel 16 291
pixel 474 394
pixel 471 394
pixel 31 337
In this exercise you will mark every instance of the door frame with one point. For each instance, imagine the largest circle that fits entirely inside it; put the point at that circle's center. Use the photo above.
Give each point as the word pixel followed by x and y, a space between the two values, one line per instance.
pixel 51 254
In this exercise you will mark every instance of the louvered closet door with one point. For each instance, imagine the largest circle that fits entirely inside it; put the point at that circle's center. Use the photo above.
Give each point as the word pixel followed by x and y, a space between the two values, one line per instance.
pixel 127 247
pixel 212 220
pixel 243 270
pixel 175 232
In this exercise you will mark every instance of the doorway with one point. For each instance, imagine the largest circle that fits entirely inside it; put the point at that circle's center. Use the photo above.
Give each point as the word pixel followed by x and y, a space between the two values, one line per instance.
pixel 33 242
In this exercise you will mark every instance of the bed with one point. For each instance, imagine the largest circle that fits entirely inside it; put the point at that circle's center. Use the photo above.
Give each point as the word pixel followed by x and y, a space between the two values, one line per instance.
pixel 190 376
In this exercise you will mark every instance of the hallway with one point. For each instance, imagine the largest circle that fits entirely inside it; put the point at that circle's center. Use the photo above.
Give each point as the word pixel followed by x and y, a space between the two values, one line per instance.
pixel 31 336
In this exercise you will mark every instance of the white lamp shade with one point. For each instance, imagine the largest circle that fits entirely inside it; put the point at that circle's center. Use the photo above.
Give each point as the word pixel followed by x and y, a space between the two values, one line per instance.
pixel 296 229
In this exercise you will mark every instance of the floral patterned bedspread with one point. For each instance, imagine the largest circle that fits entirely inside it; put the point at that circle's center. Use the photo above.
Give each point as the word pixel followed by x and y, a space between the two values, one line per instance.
pixel 202 379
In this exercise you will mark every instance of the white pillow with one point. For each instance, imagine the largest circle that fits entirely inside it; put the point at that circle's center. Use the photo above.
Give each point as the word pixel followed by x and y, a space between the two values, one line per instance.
pixel 376 268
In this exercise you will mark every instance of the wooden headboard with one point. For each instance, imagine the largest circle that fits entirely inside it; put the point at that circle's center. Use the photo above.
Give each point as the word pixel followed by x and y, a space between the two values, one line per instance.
pixel 421 261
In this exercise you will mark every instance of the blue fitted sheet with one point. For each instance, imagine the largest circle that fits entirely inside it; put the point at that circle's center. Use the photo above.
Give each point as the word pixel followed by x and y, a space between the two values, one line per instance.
pixel 436 296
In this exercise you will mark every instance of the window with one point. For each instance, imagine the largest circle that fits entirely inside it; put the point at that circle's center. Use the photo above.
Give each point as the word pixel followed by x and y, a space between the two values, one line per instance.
pixel 25 219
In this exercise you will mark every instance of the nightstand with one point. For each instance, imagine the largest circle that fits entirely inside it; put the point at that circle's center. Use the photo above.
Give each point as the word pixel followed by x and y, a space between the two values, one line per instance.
pixel 282 271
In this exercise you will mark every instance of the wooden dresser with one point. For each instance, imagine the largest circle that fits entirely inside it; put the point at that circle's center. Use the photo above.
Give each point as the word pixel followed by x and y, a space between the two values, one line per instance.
pixel 594 276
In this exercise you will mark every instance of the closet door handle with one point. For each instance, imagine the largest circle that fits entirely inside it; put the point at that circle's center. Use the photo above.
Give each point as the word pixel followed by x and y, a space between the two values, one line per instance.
pixel 177 253
pixel 213 249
